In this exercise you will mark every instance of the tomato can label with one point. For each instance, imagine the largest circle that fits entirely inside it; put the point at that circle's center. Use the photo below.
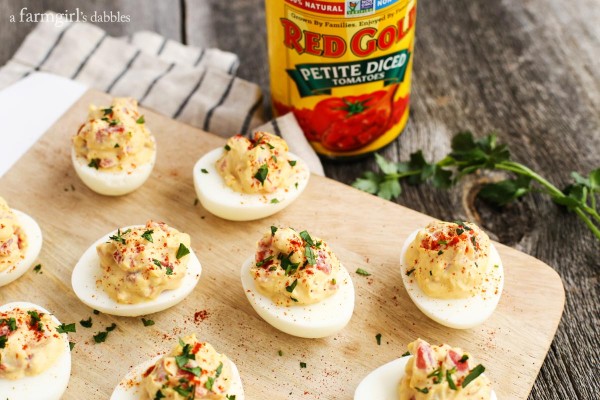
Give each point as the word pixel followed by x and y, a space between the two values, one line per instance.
pixel 343 68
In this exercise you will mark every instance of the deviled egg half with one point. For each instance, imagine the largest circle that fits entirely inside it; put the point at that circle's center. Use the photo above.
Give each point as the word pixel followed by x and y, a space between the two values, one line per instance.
pixel 249 179
pixel 20 243
pixel 35 356
pixel 298 285
pixel 192 370
pixel 427 372
pixel 453 273
pixel 137 270
pixel 113 152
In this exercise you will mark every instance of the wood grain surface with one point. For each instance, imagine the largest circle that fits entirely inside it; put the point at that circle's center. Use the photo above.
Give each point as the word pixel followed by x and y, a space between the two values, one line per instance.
pixel 528 70
pixel 43 184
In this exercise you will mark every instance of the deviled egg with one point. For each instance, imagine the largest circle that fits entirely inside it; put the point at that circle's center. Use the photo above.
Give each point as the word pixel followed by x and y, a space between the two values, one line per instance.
pixel 35 357
pixel 298 285
pixel 193 370
pixel 249 178
pixel 427 372
pixel 113 152
pixel 20 243
pixel 453 273
pixel 137 270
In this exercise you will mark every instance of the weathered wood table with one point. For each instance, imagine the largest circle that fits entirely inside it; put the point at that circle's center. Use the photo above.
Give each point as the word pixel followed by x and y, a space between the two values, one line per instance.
pixel 527 70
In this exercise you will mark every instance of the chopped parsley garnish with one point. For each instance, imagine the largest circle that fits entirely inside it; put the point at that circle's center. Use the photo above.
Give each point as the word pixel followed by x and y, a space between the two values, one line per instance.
pixel 157 263
pixel 310 255
pixel 111 327
pixel 440 253
pixel 71 345
pixel 38 268
pixel 117 145
pixel 280 352
pixel 140 120
pixel 378 338
pixel 100 337
pixel 463 358
pixel 422 390
pixel 436 375
pixel 113 122
pixel 107 111
pixel 475 372
pixel 182 251
pixel 148 235
pixel 306 237
pixel 35 317
pixel 302 365
pixel 230 396
pixel 292 163
pixel 406 354
pixel 274 201
pixel 159 395
pixel 94 163
pixel 219 370
pixel 410 271
pixel 147 322
pixel 3 340
pixel 459 231
pixel 473 241
pixel 295 300
pixel 264 261
pixel 10 322
pixel 362 272
pixel 86 323
pixel 209 382
pixel 96 312
pixel 442 242
pixel 183 391
pixel 273 230
pixel 291 287
pixel 287 265
pixel 204 171
pixel 451 383
pixel 184 358
pixel 119 236
pixel 274 158
pixel 227 147
pixel 169 271
pixel 262 173
pixel 64 328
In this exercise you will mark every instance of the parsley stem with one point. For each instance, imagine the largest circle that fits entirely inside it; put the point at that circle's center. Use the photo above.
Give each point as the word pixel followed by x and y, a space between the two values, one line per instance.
pixel 400 175
pixel 588 222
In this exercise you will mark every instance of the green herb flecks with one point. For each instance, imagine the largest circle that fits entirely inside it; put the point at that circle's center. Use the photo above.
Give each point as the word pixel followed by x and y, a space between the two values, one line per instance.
pixel 94 163
pixel 140 120
pixel 147 322
pixel 264 261
pixel 362 272
pixel 473 374
pixel 64 328
pixel 378 338
pixel 273 230
pixel 86 323
pixel 148 235
pixel 292 163
pixel 119 236
pixel 302 365
pixel 204 171
pixel 38 269
pixel 262 173
pixel 182 251
pixel 291 287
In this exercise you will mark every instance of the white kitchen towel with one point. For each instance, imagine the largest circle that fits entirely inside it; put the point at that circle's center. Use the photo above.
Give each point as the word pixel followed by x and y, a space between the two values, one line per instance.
pixel 190 84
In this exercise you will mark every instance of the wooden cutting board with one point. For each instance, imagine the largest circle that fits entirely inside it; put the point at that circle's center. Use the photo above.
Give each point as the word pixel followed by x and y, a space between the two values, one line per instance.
pixel 364 231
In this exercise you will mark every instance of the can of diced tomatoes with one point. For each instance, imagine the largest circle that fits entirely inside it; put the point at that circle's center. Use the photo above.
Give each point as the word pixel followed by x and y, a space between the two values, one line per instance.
pixel 343 68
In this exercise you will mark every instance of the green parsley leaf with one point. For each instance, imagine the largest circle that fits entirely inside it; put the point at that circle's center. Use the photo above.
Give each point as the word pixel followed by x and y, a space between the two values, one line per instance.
pixel 302 365
pixel 410 271
pixel 71 345
pixel 473 374
pixel 262 173
pixel 107 111
pixel 451 383
pixel 148 235
pixel 204 171
pixel 94 163
pixel 96 312
pixel 209 383
pixel 422 390
pixel 3 340
pixel 306 237
pixel 183 391
pixel 291 287
pixel 405 354
pixel 273 230
pixel 10 322
pixel 227 147
pixel 292 163
pixel 119 236
pixel 111 327
pixel 100 337
pixel 230 397
pixel 310 255
pixel 64 328
pixel 169 271
pixel 287 265
pixel 378 338
pixel 159 395
pixel 274 201
pixel 157 263
pixel 362 272
pixel 38 269
pixel 86 323
pixel 264 261
pixel 147 322
pixel 280 352
pixel 182 251
pixel 219 370
pixel 116 146
pixel 140 120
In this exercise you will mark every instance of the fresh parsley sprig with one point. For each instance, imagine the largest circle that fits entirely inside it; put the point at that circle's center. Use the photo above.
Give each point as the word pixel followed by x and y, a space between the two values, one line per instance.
pixel 470 155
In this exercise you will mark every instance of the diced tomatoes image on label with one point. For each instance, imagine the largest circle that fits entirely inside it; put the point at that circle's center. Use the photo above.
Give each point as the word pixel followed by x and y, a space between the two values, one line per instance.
pixel 350 122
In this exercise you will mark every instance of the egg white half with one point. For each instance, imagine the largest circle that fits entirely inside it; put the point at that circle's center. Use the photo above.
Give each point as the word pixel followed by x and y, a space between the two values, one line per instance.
pixel 219 199
pixel 457 313
pixel 50 384
pixel 112 183
pixel 130 389
pixel 382 383
pixel 87 271
pixel 34 245
pixel 318 320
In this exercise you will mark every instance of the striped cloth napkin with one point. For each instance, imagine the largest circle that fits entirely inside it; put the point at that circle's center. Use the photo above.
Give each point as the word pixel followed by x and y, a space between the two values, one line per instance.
pixel 190 84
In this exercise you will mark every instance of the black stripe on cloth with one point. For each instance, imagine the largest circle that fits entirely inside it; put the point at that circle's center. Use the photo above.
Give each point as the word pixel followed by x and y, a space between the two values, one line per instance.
pixel 233 66
pixel 171 66
pixel 51 49
pixel 210 112
pixel 189 96
pixel 276 127
pixel 249 115
pixel 162 47
pixel 26 74
pixel 200 57
pixel 87 58
pixel 129 64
